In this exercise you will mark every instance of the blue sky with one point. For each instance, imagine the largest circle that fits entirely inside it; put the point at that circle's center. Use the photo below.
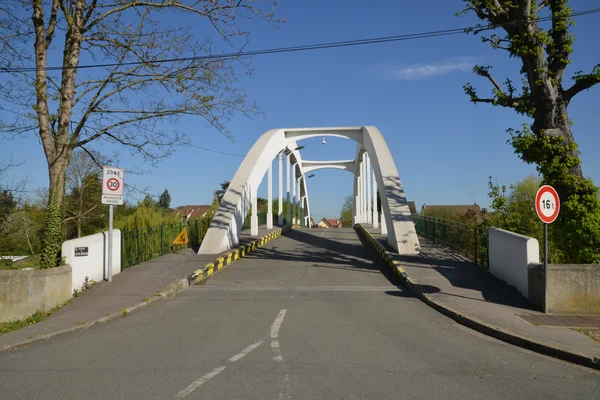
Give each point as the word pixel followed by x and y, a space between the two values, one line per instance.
pixel 444 147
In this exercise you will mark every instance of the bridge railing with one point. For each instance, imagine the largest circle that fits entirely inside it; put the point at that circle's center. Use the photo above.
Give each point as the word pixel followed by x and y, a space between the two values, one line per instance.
pixel 468 240
pixel 139 245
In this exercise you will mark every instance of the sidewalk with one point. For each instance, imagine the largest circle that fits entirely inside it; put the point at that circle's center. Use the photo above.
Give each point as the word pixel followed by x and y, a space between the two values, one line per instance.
pixel 468 293
pixel 132 289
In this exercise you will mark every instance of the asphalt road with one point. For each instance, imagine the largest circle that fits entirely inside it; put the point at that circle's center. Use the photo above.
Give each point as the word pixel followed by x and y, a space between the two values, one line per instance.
pixel 309 316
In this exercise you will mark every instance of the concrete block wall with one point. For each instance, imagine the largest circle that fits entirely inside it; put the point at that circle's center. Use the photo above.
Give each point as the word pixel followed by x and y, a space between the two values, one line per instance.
pixel 511 256
pixel 574 288
pixel 25 292
pixel 94 265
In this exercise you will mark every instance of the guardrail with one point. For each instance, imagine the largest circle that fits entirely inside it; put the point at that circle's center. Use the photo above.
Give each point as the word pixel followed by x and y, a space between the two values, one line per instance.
pixel 468 240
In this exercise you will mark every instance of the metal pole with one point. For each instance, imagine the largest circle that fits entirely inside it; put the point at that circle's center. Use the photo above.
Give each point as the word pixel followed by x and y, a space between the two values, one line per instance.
pixel 545 268
pixel 110 235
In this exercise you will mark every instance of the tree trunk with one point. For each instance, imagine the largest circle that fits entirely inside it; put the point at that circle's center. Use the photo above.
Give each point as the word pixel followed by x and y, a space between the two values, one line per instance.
pixel 78 227
pixel 53 234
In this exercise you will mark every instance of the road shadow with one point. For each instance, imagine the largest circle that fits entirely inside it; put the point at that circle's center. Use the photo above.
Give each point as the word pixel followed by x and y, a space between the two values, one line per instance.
pixel 344 251
pixel 462 273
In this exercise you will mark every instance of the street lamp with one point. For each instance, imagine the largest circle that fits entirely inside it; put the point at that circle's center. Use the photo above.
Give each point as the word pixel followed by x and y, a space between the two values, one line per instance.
pixel 299 148
pixel 310 176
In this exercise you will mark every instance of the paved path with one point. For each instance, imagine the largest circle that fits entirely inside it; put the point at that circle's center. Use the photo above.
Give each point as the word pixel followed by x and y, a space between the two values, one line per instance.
pixel 469 289
pixel 128 288
pixel 309 316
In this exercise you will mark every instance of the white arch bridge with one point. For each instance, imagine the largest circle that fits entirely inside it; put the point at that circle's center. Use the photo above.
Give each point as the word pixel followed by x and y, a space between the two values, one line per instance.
pixel 373 168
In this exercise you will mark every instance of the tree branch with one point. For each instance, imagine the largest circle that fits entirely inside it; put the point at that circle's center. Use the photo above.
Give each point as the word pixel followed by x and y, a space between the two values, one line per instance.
pixel 583 82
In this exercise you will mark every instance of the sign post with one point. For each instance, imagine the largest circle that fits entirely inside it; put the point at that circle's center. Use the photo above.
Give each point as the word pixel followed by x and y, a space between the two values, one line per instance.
pixel 112 193
pixel 547 206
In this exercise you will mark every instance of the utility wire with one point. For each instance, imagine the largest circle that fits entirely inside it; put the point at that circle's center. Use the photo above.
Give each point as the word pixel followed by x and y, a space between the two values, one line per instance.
pixel 212 150
pixel 318 46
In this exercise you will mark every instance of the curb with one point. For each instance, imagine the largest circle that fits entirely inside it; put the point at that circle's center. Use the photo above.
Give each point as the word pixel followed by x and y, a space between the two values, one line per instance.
pixel 202 274
pixel 168 292
pixel 473 323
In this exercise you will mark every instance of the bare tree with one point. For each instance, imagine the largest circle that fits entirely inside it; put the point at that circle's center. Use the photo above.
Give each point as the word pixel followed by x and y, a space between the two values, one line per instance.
pixel 83 186
pixel 149 71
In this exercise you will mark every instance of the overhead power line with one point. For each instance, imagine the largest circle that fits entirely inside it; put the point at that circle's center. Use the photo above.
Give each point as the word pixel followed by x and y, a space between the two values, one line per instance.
pixel 318 46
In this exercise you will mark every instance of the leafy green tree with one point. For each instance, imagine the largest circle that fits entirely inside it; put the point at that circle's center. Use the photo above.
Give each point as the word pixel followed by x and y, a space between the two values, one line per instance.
pixel 164 200
pixel 148 201
pixel 69 108
pixel 346 213
pixel 544 98
pixel 513 208
pixel 219 193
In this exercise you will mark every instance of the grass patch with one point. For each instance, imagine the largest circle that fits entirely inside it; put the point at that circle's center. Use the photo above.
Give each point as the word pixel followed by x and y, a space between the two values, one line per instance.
pixel 39 316
pixel 592 333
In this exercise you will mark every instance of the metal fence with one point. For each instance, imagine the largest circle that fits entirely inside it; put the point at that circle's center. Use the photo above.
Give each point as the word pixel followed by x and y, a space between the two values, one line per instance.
pixel 467 240
pixel 141 245
pixel 144 244
pixel 262 219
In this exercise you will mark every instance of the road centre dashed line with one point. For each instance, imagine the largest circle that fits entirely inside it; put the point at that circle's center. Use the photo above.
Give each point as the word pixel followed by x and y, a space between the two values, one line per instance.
pixel 196 384
pixel 278 357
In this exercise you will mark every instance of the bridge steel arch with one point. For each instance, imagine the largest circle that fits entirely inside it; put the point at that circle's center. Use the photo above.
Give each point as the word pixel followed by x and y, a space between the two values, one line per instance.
pixel 225 228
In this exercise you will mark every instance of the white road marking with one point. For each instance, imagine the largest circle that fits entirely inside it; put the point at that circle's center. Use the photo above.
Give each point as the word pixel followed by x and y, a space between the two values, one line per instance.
pixel 286 393
pixel 196 384
pixel 277 324
pixel 245 351
pixel 277 357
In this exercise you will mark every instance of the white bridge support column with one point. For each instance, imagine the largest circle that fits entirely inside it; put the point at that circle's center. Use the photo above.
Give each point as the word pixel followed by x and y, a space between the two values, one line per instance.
pixel 384 226
pixel 240 197
pixel 355 203
pixel 303 224
pixel 270 196
pixel 287 187
pixel 254 217
pixel 363 200
pixel 280 208
pixel 360 189
pixel 298 202
pixel 375 213
pixel 368 176
pixel 293 204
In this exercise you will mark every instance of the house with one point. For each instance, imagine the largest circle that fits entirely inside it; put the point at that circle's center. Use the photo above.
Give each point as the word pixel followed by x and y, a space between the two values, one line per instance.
pixel 189 212
pixel 448 211
pixel 330 223
pixel 412 207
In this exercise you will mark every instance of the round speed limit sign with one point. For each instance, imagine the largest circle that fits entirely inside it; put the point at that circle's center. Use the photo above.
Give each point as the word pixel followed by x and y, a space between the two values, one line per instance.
pixel 547 204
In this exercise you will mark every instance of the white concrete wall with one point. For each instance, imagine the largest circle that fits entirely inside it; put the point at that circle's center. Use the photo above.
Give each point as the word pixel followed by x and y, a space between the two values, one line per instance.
pixel 510 255
pixel 94 265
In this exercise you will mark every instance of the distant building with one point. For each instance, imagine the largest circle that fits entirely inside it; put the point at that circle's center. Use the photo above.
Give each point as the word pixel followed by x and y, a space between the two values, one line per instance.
pixel 412 207
pixel 189 212
pixel 330 223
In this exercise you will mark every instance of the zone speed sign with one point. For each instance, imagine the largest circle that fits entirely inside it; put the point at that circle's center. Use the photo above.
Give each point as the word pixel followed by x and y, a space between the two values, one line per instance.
pixel 112 185
pixel 547 204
